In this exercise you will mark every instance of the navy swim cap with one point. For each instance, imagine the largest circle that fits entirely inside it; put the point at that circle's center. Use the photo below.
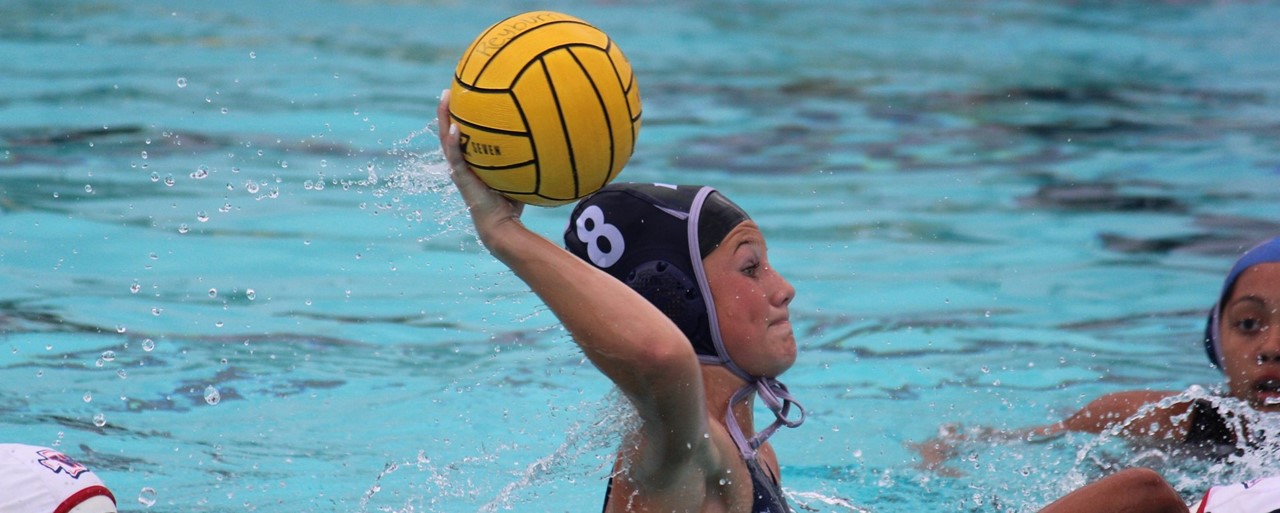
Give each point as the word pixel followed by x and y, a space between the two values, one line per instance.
pixel 1267 252
pixel 653 237
pixel 641 235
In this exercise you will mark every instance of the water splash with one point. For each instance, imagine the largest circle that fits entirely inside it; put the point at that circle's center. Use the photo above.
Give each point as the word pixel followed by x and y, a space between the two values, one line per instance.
pixel 805 501
pixel 1253 455
pixel 614 417
pixel 147 497
pixel 426 485
pixel 376 487
pixel 420 172
pixel 212 396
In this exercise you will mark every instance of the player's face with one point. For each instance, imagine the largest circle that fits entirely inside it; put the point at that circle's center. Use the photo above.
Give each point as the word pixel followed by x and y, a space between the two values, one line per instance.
pixel 751 303
pixel 1250 337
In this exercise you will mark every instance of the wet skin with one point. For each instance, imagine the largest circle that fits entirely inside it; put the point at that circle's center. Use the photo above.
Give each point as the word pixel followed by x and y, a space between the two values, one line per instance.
pixel 1250 337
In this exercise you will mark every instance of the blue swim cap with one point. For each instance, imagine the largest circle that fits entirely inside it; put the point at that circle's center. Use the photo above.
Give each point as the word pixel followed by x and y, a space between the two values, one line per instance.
pixel 653 237
pixel 1267 252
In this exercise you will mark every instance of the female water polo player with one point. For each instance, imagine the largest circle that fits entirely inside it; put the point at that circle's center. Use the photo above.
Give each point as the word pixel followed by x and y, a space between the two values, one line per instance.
pixel 669 292
pixel 1242 338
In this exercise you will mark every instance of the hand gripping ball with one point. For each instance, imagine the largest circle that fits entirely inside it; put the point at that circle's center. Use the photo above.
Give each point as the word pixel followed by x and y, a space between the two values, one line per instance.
pixel 547 108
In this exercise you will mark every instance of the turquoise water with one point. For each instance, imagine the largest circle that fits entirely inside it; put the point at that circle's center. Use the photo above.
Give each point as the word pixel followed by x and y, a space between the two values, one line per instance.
pixel 231 280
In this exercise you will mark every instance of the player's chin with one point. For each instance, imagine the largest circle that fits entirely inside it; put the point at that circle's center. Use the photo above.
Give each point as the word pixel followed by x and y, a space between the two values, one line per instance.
pixel 786 351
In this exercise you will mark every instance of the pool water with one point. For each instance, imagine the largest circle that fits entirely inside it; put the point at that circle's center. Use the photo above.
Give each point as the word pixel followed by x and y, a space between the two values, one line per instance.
pixel 233 277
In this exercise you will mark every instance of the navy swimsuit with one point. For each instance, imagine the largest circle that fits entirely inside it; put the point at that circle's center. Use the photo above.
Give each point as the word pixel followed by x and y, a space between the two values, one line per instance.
pixel 1210 432
pixel 766 493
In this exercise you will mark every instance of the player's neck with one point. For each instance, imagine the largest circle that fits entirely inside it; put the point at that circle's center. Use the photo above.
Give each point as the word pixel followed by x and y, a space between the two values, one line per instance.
pixel 719 385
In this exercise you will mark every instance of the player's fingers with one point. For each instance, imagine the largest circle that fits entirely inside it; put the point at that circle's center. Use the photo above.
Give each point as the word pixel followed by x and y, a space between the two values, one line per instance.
pixel 449 134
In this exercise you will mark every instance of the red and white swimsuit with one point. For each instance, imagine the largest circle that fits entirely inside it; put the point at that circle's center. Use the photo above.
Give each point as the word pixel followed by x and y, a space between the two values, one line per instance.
pixel 1255 496
pixel 43 480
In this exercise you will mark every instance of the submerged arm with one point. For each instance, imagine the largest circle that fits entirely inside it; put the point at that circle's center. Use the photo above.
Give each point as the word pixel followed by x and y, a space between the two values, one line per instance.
pixel 1139 413
pixel 1135 409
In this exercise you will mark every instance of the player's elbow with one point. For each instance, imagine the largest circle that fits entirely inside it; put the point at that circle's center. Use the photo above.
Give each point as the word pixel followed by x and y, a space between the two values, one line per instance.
pixel 1150 489
pixel 663 360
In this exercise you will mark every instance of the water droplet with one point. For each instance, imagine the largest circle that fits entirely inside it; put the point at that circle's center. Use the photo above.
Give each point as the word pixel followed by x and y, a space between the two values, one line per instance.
pixel 224 110
pixel 99 420
pixel 211 395
pixel 134 288
pixel 88 397
pixel 148 345
pixel 121 329
pixel 155 177
pixel 122 373
pixel 200 173
pixel 108 356
pixel 249 293
pixel 213 292
pixel 182 81
pixel 183 228
pixel 147 497
pixel 156 311
pixel 202 216
pixel 253 55
pixel 88 188
pixel 251 187
pixel 169 181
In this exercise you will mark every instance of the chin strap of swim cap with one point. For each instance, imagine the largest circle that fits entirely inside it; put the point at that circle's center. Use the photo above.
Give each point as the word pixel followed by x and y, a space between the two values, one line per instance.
pixel 777 398
pixel 772 392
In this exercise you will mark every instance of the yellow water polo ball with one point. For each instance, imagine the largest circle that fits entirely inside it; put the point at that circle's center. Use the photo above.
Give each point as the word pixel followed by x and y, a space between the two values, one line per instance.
pixel 547 108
